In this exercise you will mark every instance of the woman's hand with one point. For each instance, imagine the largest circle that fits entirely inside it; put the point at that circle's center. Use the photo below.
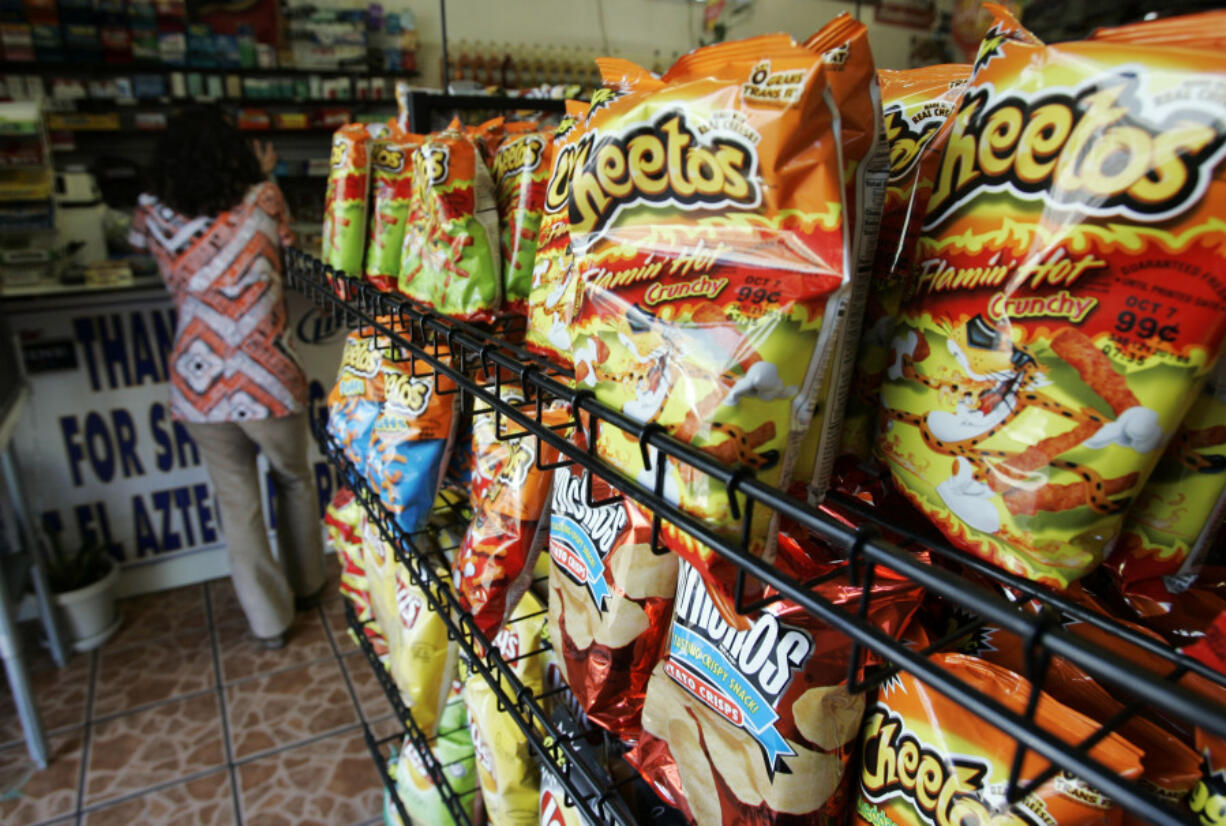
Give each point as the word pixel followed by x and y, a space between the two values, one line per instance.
pixel 266 154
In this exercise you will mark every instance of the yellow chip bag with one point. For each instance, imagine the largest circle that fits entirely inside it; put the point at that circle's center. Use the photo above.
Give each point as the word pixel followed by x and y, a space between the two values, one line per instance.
pixel 706 217
pixel 509 777
pixel 1069 301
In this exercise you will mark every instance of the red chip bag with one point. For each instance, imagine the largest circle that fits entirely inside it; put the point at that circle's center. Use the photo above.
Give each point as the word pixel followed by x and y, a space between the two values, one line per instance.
pixel 748 719
pixel 510 497
pixel 610 600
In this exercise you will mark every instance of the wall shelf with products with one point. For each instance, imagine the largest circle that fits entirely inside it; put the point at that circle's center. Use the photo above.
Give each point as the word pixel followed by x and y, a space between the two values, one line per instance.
pixel 1109 650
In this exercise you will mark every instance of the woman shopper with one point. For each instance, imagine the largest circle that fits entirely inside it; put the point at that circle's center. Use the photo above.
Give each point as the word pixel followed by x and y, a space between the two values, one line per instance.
pixel 216 226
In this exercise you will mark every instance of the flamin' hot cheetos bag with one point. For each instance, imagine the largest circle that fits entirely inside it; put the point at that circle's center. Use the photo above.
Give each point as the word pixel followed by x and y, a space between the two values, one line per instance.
pixel 1069 298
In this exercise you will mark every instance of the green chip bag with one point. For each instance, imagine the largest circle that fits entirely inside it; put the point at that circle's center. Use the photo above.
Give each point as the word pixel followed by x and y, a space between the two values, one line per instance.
pixel 521 174
pixel 344 230
pixel 391 165
pixel 453 751
pixel 450 257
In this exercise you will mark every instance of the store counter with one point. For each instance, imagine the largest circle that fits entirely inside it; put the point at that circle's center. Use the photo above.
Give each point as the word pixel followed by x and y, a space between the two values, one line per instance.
pixel 97 450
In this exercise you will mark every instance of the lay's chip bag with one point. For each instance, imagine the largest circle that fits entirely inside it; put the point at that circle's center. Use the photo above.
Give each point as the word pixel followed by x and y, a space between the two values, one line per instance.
pixel 345 202
pixel 453 752
pixel 410 439
pixel 706 218
pixel 552 294
pixel 916 104
pixel 391 175
pixel 510 499
pixel 1067 304
pixel 925 760
pixel 357 397
pixel 521 169
pixel 450 259
pixel 509 777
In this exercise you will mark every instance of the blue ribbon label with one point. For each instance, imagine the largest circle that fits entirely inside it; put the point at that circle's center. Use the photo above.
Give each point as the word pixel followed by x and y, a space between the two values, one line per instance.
pixel 581 537
pixel 738 674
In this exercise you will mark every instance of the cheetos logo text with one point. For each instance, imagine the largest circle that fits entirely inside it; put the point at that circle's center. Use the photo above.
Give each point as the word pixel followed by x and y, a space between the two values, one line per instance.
pixel 388 159
pixel 1097 148
pixel 436 162
pixel 665 163
pixel 523 155
pixel 907 142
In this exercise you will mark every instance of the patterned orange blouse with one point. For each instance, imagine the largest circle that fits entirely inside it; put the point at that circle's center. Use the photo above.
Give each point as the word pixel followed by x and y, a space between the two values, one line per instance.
pixel 232 358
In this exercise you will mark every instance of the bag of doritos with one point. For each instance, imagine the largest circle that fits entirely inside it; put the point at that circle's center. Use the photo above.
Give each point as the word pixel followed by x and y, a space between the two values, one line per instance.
pixel 610 600
pixel 551 297
pixel 706 217
pixel 357 397
pixel 964 761
pixel 521 173
pixel 344 229
pixel 510 498
pixel 451 260
pixel 1182 507
pixel 410 439
pixel 916 103
pixel 391 175
pixel 1066 307
pixel 748 719
pixel 509 777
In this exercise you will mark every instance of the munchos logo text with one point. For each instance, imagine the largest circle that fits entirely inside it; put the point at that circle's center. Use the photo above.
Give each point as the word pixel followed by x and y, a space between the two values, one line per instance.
pixel 1095 148
pixel 668 162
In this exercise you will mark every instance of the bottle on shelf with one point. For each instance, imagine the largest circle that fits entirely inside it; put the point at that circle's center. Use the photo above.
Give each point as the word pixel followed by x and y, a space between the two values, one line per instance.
pixel 657 67
pixel 463 62
pixel 508 73
pixel 480 67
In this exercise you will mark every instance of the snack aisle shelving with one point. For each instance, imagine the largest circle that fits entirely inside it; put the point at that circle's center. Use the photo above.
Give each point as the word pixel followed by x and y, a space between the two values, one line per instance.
pixel 419 333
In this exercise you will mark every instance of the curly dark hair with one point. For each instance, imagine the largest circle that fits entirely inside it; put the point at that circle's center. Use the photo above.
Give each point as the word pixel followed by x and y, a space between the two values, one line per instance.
pixel 202 164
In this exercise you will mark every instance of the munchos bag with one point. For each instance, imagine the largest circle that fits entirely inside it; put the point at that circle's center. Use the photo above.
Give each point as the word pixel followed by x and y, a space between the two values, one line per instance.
pixel 925 760
pixel 749 720
pixel 706 217
pixel 610 600
pixel 410 439
pixel 521 169
pixel 916 104
pixel 510 499
pixel 391 175
pixel 1182 507
pixel 357 397
pixel 1066 307
pixel 450 259
pixel 344 230
pixel 551 297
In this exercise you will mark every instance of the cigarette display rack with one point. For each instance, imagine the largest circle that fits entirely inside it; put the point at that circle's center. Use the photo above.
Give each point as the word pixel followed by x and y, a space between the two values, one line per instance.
pixel 418 334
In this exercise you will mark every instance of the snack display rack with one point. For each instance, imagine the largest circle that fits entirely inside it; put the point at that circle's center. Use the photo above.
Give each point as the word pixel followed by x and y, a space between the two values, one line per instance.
pixel 415 333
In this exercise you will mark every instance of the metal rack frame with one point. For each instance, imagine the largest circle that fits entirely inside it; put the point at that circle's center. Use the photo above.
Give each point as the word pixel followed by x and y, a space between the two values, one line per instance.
pixel 419 333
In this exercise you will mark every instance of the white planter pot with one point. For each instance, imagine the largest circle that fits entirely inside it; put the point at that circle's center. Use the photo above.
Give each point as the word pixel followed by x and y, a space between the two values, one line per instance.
pixel 87 615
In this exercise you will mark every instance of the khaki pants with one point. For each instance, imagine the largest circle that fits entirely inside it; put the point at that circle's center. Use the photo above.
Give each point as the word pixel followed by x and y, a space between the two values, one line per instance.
pixel 265 588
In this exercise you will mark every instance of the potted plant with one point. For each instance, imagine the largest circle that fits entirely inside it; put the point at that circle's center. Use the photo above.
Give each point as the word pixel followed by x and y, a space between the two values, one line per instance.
pixel 83 586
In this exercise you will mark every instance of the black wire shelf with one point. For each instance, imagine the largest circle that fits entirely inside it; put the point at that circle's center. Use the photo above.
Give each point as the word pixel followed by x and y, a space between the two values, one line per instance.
pixel 555 751
pixel 415 332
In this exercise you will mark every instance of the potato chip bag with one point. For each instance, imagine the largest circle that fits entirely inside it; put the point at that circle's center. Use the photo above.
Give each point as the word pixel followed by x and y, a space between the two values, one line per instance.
pixel 916 103
pixel 521 173
pixel 391 166
pixel 706 218
pixel 551 297
pixel 410 439
pixel 1182 507
pixel 1207 801
pixel 345 521
pixel 488 137
pixel 557 807
pixel 748 719
pixel 1067 304
pixel 844 49
pixel 610 600
pixel 453 751
pixel 345 202
pixel 509 777
pixel 925 760
pixel 510 499
pixel 450 258
pixel 356 398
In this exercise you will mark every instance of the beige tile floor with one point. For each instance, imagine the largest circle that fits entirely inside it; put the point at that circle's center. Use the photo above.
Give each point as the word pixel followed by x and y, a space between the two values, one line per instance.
pixel 182 718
